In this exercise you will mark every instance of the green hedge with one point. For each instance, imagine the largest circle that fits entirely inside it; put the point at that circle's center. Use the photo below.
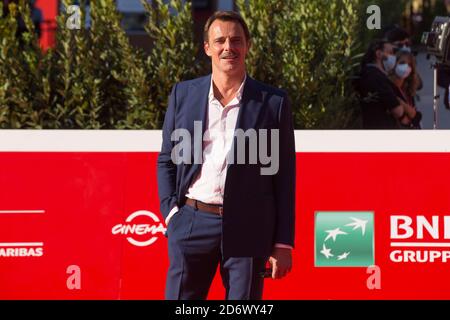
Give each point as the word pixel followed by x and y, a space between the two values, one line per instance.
pixel 308 48
pixel 95 79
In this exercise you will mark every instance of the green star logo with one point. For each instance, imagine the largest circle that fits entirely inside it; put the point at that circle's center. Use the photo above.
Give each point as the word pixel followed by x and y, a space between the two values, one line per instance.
pixel 344 239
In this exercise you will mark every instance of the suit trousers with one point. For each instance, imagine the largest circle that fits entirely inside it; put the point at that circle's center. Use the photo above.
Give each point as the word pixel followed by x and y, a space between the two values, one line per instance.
pixel 195 252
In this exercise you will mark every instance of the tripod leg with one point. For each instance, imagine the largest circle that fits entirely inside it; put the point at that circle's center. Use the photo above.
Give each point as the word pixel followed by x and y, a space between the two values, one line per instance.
pixel 435 98
pixel 446 97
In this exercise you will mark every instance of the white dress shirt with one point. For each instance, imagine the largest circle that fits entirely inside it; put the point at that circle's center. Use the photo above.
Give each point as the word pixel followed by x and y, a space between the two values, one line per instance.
pixel 209 185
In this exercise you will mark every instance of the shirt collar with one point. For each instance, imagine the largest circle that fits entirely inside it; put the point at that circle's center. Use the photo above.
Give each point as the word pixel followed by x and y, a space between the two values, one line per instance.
pixel 239 93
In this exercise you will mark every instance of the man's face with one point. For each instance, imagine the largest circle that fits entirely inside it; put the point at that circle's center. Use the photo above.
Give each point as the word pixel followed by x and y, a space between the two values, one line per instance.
pixel 227 47
pixel 387 50
pixel 384 53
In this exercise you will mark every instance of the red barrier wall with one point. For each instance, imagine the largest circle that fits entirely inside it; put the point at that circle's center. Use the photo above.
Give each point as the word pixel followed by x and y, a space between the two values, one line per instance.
pixel 62 207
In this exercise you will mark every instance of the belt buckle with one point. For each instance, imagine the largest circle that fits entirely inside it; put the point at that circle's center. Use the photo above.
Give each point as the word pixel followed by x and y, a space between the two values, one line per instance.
pixel 220 211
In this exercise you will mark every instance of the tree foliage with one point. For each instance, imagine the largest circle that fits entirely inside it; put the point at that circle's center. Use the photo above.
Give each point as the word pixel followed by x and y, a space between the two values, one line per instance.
pixel 95 79
pixel 307 48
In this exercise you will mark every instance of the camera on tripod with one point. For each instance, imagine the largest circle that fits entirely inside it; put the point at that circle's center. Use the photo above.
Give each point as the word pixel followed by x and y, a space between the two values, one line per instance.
pixel 438 45
pixel 437 40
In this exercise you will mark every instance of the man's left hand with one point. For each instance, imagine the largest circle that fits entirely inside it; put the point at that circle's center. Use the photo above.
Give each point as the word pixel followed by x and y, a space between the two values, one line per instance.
pixel 281 262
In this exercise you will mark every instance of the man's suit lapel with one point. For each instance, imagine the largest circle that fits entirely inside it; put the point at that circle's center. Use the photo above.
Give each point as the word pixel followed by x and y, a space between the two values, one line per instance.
pixel 198 103
pixel 251 106
pixel 197 111
pixel 252 101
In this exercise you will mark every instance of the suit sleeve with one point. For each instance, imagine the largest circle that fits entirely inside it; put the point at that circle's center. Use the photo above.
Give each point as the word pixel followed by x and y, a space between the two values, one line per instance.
pixel 167 169
pixel 284 180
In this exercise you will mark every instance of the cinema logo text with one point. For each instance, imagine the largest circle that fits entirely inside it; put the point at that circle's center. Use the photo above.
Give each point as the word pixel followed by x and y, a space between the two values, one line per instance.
pixel 144 229
pixel 420 239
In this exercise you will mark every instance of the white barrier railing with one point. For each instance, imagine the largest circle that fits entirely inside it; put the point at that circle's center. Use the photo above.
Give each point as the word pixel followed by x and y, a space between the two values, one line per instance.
pixel 150 140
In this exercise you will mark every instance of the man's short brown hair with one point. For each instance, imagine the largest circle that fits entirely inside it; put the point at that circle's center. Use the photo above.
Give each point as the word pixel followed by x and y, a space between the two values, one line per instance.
pixel 225 16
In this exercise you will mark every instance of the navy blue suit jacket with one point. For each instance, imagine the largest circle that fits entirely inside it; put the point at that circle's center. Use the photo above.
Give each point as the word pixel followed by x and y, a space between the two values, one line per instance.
pixel 259 210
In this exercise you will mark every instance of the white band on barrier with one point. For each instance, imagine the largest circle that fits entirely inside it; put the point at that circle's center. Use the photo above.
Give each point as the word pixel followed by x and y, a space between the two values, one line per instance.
pixel 150 141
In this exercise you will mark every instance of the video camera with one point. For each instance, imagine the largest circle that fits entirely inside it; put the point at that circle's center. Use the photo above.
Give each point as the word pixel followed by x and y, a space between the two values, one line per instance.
pixel 437 40
pixel 438 44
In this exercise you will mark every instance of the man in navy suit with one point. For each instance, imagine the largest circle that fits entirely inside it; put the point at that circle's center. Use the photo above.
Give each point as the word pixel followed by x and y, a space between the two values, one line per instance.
pixel 221 210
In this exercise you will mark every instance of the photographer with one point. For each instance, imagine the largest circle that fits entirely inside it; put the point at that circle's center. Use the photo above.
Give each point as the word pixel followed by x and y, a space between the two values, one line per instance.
pixel 406 83
pixel 401 41
pixel 381 108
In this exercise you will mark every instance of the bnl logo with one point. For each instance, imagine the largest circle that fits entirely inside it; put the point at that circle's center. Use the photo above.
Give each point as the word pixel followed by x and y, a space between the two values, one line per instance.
pixel 344 239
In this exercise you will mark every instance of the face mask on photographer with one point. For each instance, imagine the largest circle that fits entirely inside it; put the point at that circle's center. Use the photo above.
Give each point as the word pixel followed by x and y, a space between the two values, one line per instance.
pixel 389 62
pixel 403 70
